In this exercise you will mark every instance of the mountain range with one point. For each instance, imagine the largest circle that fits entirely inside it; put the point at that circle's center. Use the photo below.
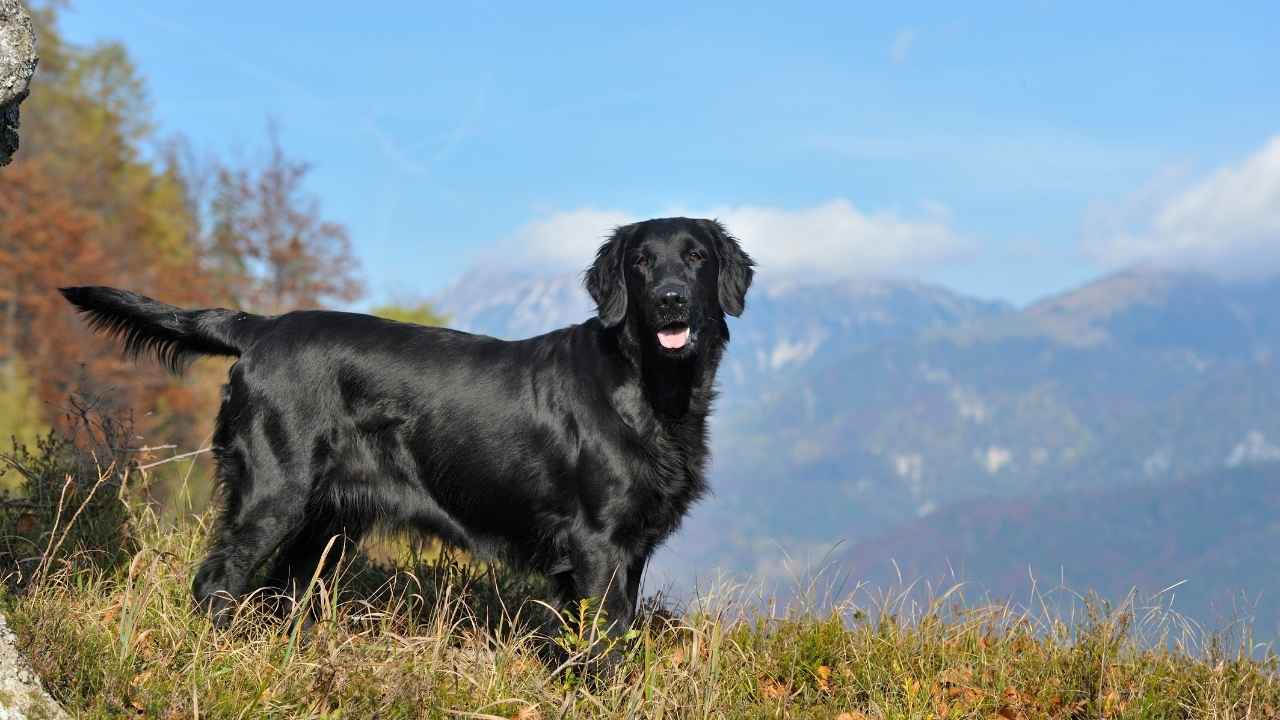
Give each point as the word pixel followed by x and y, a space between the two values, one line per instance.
pixel 1126 433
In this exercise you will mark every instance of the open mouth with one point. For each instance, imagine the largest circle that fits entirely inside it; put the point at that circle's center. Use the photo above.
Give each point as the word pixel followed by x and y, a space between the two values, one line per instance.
pixel 674 336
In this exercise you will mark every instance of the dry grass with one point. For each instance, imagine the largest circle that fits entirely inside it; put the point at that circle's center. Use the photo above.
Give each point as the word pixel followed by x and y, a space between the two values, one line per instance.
pixel 447 640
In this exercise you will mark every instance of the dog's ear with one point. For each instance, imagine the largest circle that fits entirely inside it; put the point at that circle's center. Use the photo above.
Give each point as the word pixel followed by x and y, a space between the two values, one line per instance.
pixel 735 268
pixel 606 280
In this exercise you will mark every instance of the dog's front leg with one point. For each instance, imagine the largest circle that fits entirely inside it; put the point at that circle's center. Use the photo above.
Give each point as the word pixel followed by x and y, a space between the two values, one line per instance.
pixel 608 579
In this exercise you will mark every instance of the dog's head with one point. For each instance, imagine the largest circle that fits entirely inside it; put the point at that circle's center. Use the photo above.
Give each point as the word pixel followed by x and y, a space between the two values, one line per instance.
pixel 672 280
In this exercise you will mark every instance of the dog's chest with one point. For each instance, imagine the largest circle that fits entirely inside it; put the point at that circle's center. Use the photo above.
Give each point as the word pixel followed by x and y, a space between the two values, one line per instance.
pixel 666 444
pixel 669 480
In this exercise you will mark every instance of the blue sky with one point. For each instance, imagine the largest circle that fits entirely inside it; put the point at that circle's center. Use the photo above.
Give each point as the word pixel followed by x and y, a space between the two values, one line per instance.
pixel 1008 151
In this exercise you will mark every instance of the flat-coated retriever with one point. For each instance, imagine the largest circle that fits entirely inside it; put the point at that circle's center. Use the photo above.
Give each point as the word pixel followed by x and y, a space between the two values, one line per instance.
pixel 573 453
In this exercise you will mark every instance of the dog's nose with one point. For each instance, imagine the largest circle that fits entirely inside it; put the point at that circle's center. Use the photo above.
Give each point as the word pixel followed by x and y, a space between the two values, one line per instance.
pixel 670 298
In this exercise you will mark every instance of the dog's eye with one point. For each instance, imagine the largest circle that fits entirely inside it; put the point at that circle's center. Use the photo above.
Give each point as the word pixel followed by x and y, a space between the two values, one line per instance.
pixel 641 260
pixel 696 256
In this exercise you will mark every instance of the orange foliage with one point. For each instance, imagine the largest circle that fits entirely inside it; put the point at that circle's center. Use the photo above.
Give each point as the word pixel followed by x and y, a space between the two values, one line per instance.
pixel 49 240
pixel 81 206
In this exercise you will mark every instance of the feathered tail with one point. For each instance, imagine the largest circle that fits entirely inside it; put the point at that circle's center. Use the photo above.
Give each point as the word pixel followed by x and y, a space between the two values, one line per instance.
pixel 172 335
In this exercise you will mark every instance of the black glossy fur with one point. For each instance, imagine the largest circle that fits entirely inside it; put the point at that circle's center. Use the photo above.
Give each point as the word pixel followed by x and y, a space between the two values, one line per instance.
pixel 573 453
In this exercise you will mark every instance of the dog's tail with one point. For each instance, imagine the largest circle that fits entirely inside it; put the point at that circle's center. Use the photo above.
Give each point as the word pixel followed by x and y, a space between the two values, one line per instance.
pixel 172 335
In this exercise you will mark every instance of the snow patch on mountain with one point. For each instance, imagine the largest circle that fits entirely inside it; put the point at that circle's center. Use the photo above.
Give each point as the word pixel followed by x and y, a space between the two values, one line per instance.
pixel 793 351
pixel 512 305
pixel 1252 450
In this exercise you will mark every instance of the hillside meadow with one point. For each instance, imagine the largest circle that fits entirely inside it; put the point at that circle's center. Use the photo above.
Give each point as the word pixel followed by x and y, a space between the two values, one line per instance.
pixel 98 593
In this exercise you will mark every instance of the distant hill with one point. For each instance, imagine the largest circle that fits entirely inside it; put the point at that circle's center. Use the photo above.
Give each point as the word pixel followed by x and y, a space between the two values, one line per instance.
pixel 1213 536
pixel 1009 405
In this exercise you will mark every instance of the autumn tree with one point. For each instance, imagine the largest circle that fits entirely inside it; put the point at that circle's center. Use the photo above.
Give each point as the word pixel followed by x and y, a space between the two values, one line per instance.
pixel 42 234
pixel 268 243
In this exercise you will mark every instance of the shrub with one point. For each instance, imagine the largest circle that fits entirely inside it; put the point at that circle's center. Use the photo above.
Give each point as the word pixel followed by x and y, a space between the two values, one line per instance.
pixel 65 496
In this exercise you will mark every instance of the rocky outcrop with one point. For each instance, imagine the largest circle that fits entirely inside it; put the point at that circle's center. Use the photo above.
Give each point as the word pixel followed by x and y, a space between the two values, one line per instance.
pixel 17 65
pixel 21 695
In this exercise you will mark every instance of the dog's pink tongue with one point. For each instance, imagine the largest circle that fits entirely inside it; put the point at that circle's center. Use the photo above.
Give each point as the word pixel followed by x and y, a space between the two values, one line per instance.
pixel 673 339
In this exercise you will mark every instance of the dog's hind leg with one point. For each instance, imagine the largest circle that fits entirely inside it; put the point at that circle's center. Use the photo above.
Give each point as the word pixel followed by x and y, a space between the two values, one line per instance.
pixel 243 543
pixel 304 555
pixel 263 510
pixel 239 551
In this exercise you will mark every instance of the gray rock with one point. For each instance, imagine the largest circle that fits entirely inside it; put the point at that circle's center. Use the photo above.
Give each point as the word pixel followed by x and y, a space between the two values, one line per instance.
pixel 17 64
pixel 21 695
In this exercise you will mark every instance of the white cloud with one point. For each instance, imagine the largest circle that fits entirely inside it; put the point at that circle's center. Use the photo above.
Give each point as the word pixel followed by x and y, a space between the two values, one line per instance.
pixel 836 239
pixel 824 242
pixel 901 45
pixel 1253 449
pixel 1227 223
pixel 993 458
pixel 568 238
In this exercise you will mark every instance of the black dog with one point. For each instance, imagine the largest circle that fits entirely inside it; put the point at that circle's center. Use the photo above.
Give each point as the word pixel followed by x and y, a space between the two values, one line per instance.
pixel 573 453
